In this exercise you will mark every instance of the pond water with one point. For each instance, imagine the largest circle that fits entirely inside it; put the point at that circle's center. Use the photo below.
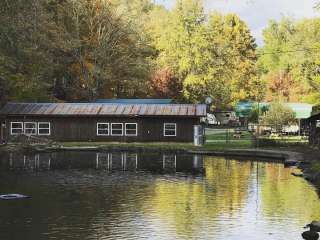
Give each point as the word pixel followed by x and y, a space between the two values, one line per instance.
pixel 88 195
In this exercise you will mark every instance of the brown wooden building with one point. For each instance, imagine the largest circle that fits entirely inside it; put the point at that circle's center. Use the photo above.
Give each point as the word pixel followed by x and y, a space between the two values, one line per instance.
pixel 101 121
pixel 314 129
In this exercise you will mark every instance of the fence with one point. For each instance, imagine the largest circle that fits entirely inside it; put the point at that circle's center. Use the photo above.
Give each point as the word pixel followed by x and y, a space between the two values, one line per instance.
pixel 261 136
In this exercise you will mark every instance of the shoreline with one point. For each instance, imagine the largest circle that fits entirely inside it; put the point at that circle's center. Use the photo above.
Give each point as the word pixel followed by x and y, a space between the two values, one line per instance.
pixel 302 159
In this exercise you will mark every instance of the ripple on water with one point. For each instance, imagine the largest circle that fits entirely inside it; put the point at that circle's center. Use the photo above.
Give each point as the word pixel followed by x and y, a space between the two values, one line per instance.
pixel 227 199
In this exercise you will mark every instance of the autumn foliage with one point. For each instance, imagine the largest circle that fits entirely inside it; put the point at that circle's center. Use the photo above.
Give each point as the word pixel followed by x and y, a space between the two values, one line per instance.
pixel 165 84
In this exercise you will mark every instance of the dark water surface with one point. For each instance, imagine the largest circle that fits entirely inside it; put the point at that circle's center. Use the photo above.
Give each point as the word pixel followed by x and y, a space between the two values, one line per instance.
pixel 88 195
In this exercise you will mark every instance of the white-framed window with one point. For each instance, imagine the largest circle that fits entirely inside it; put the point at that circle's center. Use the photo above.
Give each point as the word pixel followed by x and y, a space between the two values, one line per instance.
pixel 30 128
pixel 103 129
pixel 116 129
pixel 16 128
pixel 169 160
pixel 170 129
pixel 131 129
pixel 44 128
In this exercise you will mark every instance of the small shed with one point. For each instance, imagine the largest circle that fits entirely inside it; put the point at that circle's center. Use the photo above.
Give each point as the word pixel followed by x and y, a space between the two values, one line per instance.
pixel 102 121
pixel 314 130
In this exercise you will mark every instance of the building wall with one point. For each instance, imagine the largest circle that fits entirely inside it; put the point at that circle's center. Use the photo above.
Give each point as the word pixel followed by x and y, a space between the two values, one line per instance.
pixel 2 133
pixel 85 128
pixel 314 134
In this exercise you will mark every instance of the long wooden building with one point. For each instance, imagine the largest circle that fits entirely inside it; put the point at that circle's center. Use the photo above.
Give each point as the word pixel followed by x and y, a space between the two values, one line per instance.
pixel 101 121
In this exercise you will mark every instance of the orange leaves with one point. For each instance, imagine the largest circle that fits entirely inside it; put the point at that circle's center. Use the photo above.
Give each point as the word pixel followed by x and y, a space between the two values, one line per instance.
pixel 165 84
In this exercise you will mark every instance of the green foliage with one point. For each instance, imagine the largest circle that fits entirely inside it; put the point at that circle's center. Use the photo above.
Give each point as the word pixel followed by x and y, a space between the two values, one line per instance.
pixel 290 60
pixel 73 50
pixel 279 116
pixel 256 112
pixel 212 56
pixel 68 50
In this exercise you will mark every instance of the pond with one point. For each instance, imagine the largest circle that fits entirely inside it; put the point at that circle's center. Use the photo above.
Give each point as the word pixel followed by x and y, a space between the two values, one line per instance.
pixel 122 195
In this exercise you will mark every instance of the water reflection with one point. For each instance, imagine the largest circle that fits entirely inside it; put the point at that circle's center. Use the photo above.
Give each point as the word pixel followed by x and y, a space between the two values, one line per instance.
pixel 114 195
pixel 109 161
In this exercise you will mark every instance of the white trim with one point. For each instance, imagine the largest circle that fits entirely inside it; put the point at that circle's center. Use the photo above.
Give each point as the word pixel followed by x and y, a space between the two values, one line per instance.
pixel 136 129
pixel 117 129
pixel 36 128
pixel 22 131
pixel 42 128
pixel 100 123
pixel 164 158
pixel 164 129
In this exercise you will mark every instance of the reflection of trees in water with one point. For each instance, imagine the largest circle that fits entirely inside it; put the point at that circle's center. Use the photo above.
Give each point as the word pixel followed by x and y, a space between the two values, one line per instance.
pixel 189 202
pixel 286 196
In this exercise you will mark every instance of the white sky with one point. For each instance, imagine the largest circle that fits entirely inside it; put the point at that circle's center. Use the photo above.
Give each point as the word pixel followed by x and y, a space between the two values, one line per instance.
pixel 257 13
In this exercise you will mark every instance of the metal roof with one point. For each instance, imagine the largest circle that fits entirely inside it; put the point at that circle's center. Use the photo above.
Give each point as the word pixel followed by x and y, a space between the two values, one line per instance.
pixel 136 101
pixel 103 109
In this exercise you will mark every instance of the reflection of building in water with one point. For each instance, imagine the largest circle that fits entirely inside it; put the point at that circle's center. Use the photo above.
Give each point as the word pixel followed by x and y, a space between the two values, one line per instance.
pixel 169 162
pixel 117 161
pixel 109 161
pixel 29 162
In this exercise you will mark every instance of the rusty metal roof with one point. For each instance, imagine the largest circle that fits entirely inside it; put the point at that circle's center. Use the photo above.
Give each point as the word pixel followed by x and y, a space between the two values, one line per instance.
pixel 103 109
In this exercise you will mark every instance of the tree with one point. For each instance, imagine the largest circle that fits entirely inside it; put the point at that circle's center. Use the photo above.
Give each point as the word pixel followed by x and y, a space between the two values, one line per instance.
pixel 279 116
pixel 26 45
pixel 165 84
pixel 289 60
pixel 73 50
pixel 212 56
pixel 256 112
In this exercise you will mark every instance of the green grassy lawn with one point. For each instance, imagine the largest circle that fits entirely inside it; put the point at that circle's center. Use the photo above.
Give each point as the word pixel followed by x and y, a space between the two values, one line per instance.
pixel 298 139
pixel 149 145
pixel 210 146
pixel 227 135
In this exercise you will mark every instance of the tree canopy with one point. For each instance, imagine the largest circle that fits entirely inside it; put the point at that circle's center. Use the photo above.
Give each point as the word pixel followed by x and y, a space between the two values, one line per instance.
pixel 279 116
pixel 80 50
pixel 289 61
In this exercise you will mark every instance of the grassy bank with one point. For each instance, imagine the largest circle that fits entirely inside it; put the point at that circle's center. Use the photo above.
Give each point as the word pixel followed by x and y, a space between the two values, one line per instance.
pixel 214 146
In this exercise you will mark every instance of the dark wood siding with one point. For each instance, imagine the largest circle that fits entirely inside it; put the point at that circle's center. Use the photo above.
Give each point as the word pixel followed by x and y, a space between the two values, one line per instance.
pixel 2 130
pixel 314 132
pixel 84 128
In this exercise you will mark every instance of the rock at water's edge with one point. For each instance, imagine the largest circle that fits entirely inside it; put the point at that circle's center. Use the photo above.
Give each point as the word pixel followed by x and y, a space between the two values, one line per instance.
pixel 314 226
pixel 310 235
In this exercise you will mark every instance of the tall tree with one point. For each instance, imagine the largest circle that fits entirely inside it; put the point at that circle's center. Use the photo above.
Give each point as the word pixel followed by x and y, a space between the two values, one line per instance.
pixel 211 57
pixel 289 60
pixel 71 50
pixel 279 116
pixel 26 63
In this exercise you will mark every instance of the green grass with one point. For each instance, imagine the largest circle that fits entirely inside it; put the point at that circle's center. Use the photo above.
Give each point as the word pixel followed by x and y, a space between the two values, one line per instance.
pixel 152 145
pixel 220 146
pixel 163 145
pixel 226 135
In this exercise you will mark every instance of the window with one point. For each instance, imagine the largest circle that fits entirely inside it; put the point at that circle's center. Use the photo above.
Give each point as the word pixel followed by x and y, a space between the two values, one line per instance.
pixel 30 128
pixel 44 128
pixel 102 129
pixel 116 129
pixel 16 128
pixel 318 124
pixel 170 129
pixel 131 129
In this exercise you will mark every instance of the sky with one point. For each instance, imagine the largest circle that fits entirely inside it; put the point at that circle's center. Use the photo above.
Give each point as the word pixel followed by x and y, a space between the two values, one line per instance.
pixel 257 13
